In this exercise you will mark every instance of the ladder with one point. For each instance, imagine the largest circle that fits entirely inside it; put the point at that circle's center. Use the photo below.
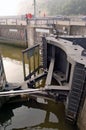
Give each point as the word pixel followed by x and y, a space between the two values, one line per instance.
pixel 76 92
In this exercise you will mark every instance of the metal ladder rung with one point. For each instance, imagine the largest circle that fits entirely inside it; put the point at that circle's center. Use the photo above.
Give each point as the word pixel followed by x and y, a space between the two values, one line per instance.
pixel 78 76
pixel 72 100
pixel 79 80
pixel 72 108
pixel 69 119
pixel 75 97
pixel 78 68
pixel 76 94
pixel 77 84
pixel 73 104
pixel 76 89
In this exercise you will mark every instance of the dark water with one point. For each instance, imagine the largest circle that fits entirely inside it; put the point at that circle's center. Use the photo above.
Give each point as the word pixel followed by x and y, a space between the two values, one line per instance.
pixel 28 115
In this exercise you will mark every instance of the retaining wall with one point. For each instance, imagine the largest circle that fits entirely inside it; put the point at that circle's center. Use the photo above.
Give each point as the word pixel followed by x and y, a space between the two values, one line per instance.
pixel 82 118
pixel 13 34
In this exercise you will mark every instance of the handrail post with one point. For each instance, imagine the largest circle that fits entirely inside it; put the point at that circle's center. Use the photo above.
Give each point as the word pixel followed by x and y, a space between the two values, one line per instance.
pixel 23 66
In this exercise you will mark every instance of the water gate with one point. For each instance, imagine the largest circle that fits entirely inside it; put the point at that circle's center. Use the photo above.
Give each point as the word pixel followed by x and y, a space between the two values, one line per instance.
pixel 65 62
pixel 57 60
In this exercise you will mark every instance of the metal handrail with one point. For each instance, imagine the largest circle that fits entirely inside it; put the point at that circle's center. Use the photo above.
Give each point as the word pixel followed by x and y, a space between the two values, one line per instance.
pixel 25 52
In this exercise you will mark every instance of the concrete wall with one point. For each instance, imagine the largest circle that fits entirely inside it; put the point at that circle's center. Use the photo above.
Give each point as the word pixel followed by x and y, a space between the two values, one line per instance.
pixel 13 34
pixel 78 30
pixel 82 118
pixel 34 34
pixel 73 29
pixel 64 28
pixel 30 35
pixel 23 35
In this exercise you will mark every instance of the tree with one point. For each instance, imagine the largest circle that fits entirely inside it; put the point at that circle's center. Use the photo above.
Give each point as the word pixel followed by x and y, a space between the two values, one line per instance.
pixel 75 7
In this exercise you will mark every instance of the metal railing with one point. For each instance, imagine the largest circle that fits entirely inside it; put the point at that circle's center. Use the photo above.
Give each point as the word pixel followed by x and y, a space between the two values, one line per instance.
pixel 39 20
pixel 54 20
pixel 33 60
pixel 10 21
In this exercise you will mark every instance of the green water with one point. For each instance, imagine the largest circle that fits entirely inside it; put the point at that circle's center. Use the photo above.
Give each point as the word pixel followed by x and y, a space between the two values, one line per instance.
pixel 28 115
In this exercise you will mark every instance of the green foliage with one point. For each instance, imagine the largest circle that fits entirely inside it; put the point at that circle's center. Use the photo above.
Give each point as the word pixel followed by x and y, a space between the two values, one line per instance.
pixel 75 7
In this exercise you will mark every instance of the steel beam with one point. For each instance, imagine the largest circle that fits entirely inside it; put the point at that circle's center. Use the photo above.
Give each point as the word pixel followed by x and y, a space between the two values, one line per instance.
pixel 51 67
pixel 34 91
pixel 57 88
pixel 50 72
pixel 18 92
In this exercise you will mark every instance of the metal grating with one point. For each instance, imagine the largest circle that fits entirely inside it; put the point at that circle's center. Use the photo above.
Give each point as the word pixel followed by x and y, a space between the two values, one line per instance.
pixel 76 92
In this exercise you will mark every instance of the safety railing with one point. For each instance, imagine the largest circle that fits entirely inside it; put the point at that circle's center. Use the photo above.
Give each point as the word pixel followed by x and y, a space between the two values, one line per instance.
pixel 31 56
pixel 10 21
pixel 41 20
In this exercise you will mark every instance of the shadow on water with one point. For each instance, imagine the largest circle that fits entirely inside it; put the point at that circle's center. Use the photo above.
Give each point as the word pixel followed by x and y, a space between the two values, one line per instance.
pixel 48 115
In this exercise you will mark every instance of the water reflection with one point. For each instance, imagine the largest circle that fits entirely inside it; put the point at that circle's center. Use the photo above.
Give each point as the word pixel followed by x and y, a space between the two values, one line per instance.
pixel 13 70
pixel 12 59
pixel 32 115
pixel 11 51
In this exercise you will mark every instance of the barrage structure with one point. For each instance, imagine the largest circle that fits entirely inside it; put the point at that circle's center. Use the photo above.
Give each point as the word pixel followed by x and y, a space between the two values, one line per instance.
pixel 53 59
pixel 61 61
